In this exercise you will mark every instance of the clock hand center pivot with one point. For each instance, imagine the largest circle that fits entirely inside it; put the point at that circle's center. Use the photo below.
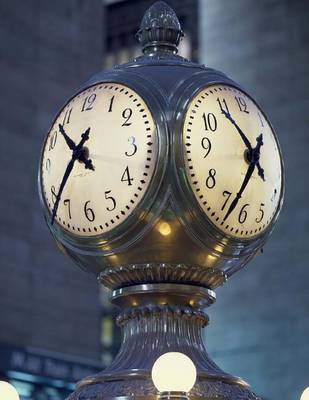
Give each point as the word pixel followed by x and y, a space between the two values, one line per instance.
pixel 80 152
pixel 253 155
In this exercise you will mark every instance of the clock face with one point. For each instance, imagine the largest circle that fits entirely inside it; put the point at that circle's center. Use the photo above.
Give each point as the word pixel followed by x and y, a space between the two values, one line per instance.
pixel 232 161
pixel 98 159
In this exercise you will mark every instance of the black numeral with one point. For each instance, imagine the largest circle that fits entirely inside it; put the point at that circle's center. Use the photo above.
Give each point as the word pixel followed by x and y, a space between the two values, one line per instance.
pixel 226 194
pixel 223 105
pixel 126 177
pixel 54 194
pixel 131 140
pixel 210 180
pixel 111 198
pixel 127 114
pixel 258 220
pixel 67 116
pixel 88 102
pixel 67 202
pixel 89 213
pixel 210 122
pixel 242 104
pixel 206 144
pixel 52 141
pixel 111 104
pixel 243 214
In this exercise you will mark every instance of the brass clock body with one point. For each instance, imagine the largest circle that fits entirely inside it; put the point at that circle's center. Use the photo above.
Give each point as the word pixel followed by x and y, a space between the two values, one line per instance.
pixel 168 223
pixel 163 177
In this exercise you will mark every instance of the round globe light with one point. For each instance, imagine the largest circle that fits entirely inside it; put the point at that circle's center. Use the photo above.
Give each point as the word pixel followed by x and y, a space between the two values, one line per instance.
pixel 8 392
pixel 173 372
pixel 305 395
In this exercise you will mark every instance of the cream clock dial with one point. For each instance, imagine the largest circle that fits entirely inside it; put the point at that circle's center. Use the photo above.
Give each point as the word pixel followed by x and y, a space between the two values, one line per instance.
pixel 98 159
pixel 232 161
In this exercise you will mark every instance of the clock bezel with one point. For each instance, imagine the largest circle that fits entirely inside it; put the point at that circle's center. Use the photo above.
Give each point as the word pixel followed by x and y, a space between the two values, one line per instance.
pixel 185 203
pixel 147 211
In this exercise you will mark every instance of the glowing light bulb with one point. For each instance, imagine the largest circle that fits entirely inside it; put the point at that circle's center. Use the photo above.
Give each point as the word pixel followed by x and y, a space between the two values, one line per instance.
pixel 164 228
pixel 305 395
pixel 173 372
pixel 8 392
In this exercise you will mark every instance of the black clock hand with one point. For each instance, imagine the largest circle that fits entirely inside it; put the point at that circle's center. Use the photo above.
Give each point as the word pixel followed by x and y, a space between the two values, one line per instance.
pixel 243 136
pixel 83 156
pixel 75 156
pixel 68 140
pixel 254 157
pixel 63 182
pixel 87 162
pixel 245 140
pixel 243 186
pixel 260 171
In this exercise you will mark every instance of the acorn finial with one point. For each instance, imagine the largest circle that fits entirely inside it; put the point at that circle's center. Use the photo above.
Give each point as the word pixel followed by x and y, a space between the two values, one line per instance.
pixel 160 29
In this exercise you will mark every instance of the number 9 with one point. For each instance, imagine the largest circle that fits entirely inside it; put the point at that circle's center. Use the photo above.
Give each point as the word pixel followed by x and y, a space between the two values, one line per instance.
pixel 206 144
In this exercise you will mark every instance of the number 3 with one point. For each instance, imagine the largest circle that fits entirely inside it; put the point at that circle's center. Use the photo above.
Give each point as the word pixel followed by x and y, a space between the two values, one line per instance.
pixel 131 140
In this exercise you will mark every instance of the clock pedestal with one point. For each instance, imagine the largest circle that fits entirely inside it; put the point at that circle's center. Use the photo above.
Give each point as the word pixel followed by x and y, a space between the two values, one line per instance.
pixel 157 318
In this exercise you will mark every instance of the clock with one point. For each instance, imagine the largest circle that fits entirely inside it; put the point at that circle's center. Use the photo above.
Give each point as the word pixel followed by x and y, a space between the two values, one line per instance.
pixel 134 174
pixel 232 161
pixel 98 159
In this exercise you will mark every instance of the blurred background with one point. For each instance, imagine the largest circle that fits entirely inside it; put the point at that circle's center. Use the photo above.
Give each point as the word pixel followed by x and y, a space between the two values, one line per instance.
pixel 56 326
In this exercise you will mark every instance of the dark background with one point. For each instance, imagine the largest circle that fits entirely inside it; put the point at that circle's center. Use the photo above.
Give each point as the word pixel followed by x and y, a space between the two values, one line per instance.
pixel 259 327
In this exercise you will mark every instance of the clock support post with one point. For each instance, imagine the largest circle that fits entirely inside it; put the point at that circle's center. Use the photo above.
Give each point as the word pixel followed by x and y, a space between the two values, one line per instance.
pixel 156 318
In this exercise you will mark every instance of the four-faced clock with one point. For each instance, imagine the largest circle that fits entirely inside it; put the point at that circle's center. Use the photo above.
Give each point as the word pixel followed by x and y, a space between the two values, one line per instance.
pixel 98 159
pixel 232 161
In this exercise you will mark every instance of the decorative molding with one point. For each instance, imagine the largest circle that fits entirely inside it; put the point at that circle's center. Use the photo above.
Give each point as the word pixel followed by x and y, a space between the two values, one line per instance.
pixel 176 312
pixel 144 389
pixel 135 274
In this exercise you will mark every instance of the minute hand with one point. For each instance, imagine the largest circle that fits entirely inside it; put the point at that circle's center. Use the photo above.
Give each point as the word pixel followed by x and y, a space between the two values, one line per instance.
pixel 242 135
pixel 243 186
pixel 75 156
pixel 255 156
pixel 68 140
pixel 62 185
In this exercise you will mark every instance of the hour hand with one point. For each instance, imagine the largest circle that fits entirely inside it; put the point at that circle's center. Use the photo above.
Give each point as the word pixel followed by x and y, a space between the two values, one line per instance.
pixel 87 161
pixel 256 151
pixel 260 171
pixel 68 140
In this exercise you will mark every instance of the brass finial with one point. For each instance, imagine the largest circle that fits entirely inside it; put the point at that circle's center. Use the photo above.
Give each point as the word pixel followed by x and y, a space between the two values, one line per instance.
pixel 160 29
